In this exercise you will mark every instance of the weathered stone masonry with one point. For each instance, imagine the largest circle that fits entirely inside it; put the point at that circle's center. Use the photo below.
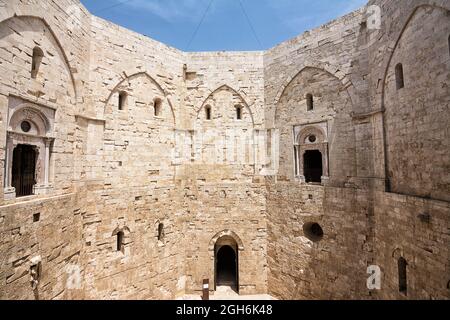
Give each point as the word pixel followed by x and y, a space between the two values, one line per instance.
pixel 95 112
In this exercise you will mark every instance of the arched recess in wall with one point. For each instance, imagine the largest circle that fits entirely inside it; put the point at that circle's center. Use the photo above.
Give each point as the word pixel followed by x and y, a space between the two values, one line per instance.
pixel 325 67
pixel 408 152
pixel 225 233
pixel 399 37
pixel 25 22
pixel 232 107
pixel 332 113
pixel 162 90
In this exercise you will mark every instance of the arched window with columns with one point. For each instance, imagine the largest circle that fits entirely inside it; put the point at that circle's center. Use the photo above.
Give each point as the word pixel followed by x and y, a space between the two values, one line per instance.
pixel 28 149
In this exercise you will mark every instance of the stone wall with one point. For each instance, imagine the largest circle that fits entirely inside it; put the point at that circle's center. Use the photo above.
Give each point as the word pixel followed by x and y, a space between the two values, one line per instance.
pixel 117 166
pixel 409 219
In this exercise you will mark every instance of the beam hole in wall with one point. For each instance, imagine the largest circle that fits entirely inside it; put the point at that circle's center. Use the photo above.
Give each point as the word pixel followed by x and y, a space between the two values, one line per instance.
pixel 313 231
pixel 36 217
pixel 36 61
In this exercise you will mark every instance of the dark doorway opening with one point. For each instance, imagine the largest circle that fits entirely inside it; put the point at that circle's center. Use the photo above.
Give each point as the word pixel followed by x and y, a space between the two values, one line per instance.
pixel 313 170
pixel 227 267
pixel 24 170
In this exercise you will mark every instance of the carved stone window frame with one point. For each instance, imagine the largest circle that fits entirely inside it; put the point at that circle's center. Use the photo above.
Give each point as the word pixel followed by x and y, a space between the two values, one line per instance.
pixel 40 137
pixel 302 144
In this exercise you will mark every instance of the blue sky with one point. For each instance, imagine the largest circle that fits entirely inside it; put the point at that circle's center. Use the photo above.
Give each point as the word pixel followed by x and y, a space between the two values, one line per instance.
pixel 225 26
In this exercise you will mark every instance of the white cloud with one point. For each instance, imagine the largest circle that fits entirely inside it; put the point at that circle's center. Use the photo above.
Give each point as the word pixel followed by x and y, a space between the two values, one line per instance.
pixel 171 9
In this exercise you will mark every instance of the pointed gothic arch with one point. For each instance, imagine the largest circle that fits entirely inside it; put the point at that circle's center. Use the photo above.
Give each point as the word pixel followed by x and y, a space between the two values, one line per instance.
pixel 127 78
pixel 328 69
pixel 53 38
pixel 226 87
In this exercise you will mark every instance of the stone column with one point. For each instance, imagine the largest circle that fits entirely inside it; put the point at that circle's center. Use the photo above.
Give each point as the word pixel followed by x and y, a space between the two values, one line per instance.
pixel 47 162
pixel 9 191
pixel 301 174
pixel 326 174
pixel 8 163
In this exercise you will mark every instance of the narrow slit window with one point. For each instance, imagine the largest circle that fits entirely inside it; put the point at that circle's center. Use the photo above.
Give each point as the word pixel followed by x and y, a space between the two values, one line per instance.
pixel 120 244
pixel 402 276
pixel 160 232
pixel 399 76
pixel 309 102
pixel 122 100
pixel 238 112
pixel 449 44
pixel 208 112
pixel 157 105
pixel 36 61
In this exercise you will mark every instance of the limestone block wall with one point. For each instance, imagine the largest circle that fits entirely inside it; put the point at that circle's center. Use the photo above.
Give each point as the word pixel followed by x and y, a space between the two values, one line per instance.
pixel 112 166
pixel 219 207
pixel 47 225
pixel 319 63
pixel 410 221
pixel 332 268
pixel 48 229
pixel 418 151
pixel 149 267
pixel 417 230
pixel 133 189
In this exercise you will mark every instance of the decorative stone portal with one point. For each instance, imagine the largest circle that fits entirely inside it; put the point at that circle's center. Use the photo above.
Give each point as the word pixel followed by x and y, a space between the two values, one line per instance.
pixel 28 149
pixel 311 153
pixel 226 246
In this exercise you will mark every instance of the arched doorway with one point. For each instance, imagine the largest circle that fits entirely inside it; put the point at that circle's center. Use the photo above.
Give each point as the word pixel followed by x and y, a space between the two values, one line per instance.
pixel 226 264
pixel 24 170
pixel 313 169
